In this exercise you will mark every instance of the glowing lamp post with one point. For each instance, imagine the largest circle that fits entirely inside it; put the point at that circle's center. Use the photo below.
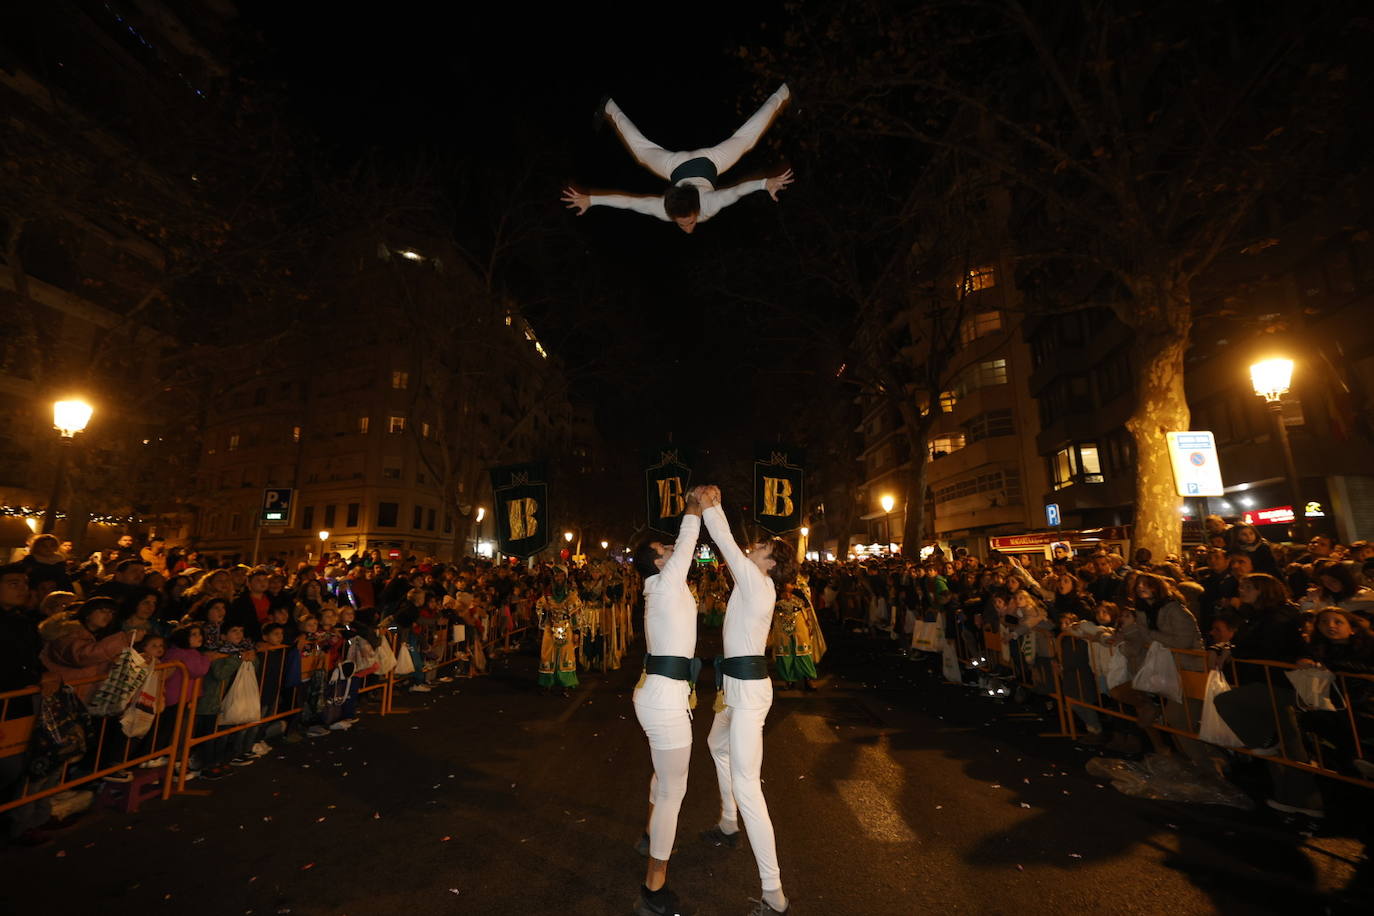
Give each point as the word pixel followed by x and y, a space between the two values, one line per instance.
pixel 888 502
pixel 801 543
pixel 605 545
pixel 567 536
pixel 1271 379
pixel 68 418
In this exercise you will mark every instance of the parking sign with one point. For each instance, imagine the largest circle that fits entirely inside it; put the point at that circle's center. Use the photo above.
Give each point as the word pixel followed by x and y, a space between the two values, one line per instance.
pixel 276 507
pixel 1197 470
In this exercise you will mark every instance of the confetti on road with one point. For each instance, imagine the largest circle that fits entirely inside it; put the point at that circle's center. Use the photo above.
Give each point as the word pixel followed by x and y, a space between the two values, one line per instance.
pixel 307 866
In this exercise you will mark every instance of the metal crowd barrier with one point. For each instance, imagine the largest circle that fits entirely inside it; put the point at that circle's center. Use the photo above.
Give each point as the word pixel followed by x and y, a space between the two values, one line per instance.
pixel 16 732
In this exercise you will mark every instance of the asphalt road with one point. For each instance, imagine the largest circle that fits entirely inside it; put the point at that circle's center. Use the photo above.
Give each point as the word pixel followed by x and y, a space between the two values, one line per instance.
pixel 890 792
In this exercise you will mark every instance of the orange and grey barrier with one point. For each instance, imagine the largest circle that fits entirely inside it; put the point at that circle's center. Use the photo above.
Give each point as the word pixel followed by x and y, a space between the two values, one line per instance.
pixel 1193 684
pixel 192 692
pixel 162 739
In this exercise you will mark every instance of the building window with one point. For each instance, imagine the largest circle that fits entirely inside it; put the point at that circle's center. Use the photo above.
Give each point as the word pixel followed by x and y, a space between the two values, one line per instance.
pixel 233 441
pixel 396 425
pixel 940 446
pixel 1076 464
pixel 979 325
pixel 363 423
pixel 419 476
pixel 978 278
pixel 330 515
pixel 295 434
pixel 947 401
pixel 990 425
pixel 391 473
pixel 387 514
pixel 235 522
pixel 431 516
pixel 400 380
pixel 259 397
pixel 1005 487
pixel 352 515
pixel 424 430
pixel 992 372
pixel 448 523
pixel 417 518
pixel 308 517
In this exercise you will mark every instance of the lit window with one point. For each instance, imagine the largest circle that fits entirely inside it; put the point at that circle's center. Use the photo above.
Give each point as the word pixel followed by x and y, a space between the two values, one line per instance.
pixel 400 379
pixel 979 325
pixel 508 320
pixel 979 278
pixel 1076 464
pixel 396 425
pixel 391 473
pixel 233 441
pixel 992 372
pixel 1087 460
pixel 947 401
pixel 363 423
pixel 295 434
pixel 1064 466
pixel 424 430
pixel 940 446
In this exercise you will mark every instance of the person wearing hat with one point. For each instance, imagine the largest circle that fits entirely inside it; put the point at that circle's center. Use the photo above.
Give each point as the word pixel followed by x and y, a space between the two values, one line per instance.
pixel 664 696
pixel 559 614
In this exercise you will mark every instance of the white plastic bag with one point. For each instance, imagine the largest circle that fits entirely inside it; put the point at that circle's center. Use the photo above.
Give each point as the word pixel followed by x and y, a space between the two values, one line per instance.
pixel 386 656
pixel 926 636
pixel 1158 675
pixel 1118 671
pixel 1213 728
pixel 1314 688
pixel 405 660
pixel 138 716
pixel 950 663
pixel 242 704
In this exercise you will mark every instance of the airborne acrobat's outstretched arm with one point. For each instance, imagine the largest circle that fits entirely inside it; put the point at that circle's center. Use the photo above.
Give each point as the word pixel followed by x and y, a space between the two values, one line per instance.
pixel 648 204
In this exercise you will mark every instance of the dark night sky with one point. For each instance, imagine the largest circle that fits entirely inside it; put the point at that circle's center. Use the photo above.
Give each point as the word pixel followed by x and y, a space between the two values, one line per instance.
pixel 507 81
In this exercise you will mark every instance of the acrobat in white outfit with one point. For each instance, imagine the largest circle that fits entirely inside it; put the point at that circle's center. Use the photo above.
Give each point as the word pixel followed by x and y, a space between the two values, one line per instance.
pixel 693 198
pixel 662 698
pixel 736 739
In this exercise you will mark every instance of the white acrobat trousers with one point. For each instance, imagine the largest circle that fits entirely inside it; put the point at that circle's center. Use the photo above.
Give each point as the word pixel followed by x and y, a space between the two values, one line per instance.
pixel 723 155
pixel 670 747
pixel 736 744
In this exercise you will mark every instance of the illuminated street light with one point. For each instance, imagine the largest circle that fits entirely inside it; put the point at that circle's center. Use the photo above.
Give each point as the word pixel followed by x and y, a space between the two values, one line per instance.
pixel 324 536
pixel 888 502
pixel 71 417
pixel 605 544
pixel 568 536
pixel 481 514
pixel 805 531
pixel 1271 378
pixel 68 418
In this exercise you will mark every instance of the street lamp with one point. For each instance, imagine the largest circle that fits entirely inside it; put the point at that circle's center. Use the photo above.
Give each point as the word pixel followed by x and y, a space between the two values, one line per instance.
pixel 1271 379
pixel 605 544
pixel 888 502
pixel 481 514
pixel 567 536
pixel 68 418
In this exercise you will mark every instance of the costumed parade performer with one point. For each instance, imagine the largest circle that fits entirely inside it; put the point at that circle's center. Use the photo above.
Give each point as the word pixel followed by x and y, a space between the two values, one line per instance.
pixel 795 652
pixel 559 619
pixel 744 694
pixel 664 695
pixel 693 197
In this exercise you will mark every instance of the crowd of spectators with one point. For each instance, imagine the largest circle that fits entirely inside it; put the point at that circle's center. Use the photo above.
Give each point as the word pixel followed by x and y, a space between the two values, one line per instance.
pixel 1239 597
pixel 65 620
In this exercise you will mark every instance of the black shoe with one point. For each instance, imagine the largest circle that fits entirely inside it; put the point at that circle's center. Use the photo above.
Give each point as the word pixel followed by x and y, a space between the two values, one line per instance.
pixel 566 693
pixel 717 837
pixel 764 909
pixel 661 902
pixel 599 118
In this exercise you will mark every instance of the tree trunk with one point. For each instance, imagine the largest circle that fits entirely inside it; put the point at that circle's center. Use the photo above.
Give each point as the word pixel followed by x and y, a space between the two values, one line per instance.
pixel 914 531
pixel 1161 407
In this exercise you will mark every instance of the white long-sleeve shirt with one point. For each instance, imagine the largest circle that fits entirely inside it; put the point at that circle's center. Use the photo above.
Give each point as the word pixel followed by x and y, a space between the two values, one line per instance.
pixel 748 614
pixel 670 619
pixel 712 200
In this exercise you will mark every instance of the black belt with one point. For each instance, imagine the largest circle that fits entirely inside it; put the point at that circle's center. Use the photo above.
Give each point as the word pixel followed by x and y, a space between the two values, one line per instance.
pixel 700 167
pixel 673 666
pixel 741 668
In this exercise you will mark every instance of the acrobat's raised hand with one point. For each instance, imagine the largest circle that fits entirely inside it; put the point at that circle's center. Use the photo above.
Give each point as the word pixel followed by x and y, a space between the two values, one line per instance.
pixel 693 197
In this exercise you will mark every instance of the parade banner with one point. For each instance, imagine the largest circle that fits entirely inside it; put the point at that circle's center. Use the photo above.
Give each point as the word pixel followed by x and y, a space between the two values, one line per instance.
pixel 778 503
pixel 667 479
pixel 522 508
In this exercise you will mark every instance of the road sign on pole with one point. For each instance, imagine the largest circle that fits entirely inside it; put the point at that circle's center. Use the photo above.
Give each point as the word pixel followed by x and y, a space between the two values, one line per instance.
pixel 1052 515
pixel 1197 469
pixel 276 507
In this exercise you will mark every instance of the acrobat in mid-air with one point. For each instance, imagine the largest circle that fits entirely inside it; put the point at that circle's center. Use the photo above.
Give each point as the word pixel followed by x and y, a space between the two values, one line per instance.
pixel 693 197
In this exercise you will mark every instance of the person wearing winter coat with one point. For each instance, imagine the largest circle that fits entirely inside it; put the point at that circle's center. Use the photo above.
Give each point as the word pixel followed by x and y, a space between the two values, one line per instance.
pixel 82 648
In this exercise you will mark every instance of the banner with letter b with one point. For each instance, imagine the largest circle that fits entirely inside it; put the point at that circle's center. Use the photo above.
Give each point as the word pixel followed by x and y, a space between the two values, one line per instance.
pixel 522 508
pixel 667 479
pixel 778 501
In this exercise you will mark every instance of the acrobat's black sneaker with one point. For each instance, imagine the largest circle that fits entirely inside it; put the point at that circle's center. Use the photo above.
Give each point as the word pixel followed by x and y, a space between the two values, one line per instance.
pixel 763 909
pixel 717 837
pixel 661 902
